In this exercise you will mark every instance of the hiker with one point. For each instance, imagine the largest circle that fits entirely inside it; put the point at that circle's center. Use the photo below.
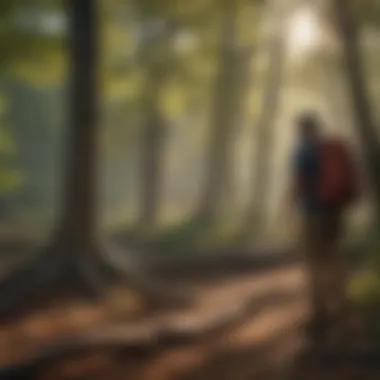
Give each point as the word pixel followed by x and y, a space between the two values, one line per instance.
pixel 324 185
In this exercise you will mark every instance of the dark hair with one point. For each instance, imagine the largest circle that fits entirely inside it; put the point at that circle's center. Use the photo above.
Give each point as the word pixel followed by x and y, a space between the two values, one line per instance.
pixel 308 123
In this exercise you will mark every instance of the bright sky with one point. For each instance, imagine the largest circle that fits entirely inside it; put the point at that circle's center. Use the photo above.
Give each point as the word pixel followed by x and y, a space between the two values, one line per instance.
pixel 303 32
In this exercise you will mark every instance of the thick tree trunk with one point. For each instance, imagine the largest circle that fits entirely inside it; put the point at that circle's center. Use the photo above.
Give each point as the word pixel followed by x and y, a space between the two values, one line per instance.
pixel 75 259
pixel 79 219
pixel 223 116
pixel 264 133
pixel 62 262
pixel 366 126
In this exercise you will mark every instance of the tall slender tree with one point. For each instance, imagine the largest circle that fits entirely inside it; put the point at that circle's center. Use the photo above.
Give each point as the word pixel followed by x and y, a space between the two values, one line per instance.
pixel 264 131
pixel 223 115
pixel 152 144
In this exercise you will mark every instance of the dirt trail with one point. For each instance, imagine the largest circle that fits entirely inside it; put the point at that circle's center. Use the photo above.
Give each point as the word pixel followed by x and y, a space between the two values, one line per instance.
pixel 264 347
pixel 265 344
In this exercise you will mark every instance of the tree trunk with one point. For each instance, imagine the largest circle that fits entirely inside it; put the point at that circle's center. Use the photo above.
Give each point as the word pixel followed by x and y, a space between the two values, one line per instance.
pixel 223 116
pixel 79 219
pixel 75 259
pixel 366 126
pixel 153 134
pixel 62 263
pixel 264 134
pixel 242 86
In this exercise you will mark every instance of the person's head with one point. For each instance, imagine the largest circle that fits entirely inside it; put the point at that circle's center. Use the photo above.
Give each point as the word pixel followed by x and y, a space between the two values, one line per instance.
pixel 309 127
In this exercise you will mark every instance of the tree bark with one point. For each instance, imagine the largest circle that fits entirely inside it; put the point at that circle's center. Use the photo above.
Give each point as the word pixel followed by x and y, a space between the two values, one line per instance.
pixel 264 134
pixel 223 115
pixel 366 125
pixel 75 259
pixel 63 262
pixel 153 135
pixel 79 214
pixel 242 86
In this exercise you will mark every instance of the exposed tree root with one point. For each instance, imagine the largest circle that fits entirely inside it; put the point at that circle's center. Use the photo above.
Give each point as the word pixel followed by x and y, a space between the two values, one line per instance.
pixel 135 275
pixel 87 271
pixel 143 338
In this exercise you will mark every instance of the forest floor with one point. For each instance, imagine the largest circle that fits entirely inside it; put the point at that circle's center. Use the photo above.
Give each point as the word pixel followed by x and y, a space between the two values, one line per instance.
pixel 266 344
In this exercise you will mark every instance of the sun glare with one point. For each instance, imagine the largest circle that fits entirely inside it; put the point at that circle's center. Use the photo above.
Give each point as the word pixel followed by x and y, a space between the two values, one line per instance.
pixel 303 32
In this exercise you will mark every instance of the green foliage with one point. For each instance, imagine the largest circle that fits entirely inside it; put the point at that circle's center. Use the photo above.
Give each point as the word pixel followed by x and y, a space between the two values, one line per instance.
pixel 199 233
pixel 10 178
pixel 364 289
pixel 39 62
pixel 24 49
pixel 367 11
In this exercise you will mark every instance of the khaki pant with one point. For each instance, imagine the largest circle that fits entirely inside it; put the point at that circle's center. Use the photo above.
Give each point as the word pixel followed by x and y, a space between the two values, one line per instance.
pixel 324 266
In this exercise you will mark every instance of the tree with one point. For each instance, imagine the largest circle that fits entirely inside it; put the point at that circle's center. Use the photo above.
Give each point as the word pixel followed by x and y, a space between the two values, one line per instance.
pixel 366 126
pixel 223 114
pixel 74 240
pixel 263 138
pixel 163 24
pixel 152 161
pixel 75 256
pixel 157 54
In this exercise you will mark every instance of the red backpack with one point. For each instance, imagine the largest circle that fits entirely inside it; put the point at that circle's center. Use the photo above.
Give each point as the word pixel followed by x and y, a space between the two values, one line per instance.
pixel 339 184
